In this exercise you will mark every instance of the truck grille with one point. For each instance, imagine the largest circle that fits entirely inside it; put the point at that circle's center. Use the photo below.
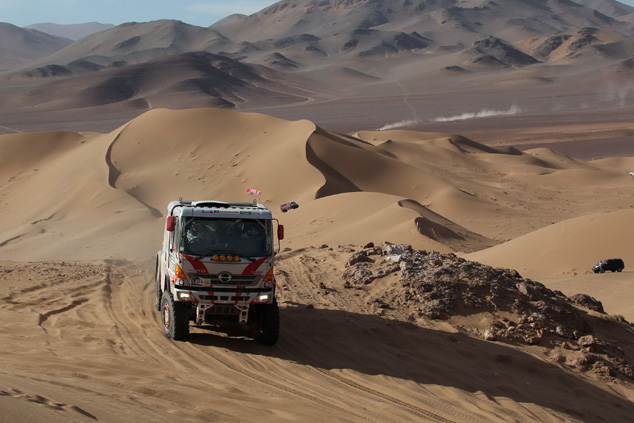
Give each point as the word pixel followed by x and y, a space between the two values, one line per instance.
pixel 221 279
pixel 236 279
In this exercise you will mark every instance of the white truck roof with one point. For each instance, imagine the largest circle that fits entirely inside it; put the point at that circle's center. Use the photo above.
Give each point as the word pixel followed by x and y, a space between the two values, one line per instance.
pixel 219 209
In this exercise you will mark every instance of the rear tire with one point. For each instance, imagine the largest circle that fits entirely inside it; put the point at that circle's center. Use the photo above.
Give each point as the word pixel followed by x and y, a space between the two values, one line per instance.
pixel 266 323
pixel 175 318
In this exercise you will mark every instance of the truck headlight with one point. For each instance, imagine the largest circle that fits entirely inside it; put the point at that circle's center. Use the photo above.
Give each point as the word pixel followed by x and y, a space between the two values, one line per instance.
pixel 184 296
pixel 263 298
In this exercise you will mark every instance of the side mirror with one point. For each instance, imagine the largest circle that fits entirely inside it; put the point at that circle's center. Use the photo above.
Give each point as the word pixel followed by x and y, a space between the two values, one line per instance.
pixel 280 232
pixel 171 223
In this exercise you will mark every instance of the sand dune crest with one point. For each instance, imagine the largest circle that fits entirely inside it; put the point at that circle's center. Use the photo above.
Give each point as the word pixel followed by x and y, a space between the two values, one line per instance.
pixel 88 330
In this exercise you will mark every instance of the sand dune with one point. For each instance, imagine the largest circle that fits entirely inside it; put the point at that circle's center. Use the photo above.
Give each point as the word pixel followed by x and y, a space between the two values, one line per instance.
pixel 130 175
pixel 572 246
pixel 83 215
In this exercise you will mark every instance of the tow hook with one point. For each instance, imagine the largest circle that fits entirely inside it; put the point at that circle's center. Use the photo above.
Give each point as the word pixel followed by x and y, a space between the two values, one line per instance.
pixel 244 314
pixel 200 315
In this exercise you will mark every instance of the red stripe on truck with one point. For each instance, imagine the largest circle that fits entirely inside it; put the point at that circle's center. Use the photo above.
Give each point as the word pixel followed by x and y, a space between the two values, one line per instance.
pixel 198 265
pixel 252 267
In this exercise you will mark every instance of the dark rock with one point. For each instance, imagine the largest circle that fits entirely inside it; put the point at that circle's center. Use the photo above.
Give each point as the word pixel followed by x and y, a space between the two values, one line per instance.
pixel 490 335
pixel 390 249
pixel 587 341
pixel 588 302
pixel 438 286
pixel 359 257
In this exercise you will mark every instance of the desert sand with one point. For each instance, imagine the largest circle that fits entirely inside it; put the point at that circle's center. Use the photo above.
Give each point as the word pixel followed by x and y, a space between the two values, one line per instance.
pixel 82 219
pixel 494 138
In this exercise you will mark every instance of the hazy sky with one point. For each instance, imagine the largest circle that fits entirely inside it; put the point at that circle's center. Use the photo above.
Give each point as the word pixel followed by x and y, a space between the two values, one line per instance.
pixel 195 12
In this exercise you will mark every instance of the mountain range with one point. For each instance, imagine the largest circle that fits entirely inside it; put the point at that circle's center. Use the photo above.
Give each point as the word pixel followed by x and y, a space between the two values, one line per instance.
pixel 71 31
pixel 300 51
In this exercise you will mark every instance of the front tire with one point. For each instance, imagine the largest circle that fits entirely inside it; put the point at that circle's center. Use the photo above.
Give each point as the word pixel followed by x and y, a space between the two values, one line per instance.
pixel 175 318
pixel 266 323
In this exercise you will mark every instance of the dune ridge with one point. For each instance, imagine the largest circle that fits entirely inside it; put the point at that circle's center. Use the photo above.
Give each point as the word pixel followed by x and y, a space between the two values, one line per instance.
pixel 83 217
pixel 447 183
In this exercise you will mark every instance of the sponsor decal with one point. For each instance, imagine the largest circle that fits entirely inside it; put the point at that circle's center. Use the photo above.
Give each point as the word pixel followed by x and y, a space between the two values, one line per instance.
pixel 252 267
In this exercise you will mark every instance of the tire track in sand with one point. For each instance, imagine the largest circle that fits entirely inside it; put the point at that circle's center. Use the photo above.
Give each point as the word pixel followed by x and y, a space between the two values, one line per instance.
pixel 304 276
pixel 189 356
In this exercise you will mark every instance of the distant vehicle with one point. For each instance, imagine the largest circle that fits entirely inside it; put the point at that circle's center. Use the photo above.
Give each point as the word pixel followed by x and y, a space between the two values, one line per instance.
pixel 289 206
pixel 613 265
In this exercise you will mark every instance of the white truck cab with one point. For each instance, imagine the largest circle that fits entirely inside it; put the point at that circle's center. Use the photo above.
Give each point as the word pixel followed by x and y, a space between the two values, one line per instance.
pixel 216 264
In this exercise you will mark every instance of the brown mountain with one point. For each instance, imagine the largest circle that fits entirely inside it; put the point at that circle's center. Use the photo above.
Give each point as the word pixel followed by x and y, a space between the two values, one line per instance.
pixel 309 32
pixel 608 7
pixel 359 28
pixel 71 31
pixel 201 79
pixel 135 43
pixel 352 47
pixel 20 46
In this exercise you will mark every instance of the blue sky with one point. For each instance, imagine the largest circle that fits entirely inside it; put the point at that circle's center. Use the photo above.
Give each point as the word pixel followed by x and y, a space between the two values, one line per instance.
pixel 116 12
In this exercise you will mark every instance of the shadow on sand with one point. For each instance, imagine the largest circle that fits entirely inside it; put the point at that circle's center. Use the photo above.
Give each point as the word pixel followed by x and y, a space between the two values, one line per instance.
pixel 372 345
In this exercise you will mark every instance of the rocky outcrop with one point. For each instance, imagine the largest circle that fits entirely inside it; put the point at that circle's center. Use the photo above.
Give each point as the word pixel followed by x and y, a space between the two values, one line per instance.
pixel 433 285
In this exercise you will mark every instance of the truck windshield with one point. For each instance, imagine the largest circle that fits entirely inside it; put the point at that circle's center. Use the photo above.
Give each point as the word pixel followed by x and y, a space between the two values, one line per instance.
pixel 203 236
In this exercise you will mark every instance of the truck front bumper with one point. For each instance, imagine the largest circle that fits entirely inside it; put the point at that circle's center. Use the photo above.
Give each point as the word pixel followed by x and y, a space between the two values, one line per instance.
pixel 224 297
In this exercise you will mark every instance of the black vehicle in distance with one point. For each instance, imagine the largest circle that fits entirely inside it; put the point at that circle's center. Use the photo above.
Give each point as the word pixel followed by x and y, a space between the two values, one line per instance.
pixel 613 265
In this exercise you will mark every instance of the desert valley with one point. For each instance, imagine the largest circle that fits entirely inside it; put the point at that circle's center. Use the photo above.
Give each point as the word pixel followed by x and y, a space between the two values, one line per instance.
pixel 459 167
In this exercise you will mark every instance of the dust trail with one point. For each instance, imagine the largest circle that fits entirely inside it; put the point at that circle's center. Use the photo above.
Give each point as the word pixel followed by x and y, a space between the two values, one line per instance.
pixel 10 130
pixel 398 124
pixel 407 103
pixel 402 123
pixel 514 109
pixel 617 92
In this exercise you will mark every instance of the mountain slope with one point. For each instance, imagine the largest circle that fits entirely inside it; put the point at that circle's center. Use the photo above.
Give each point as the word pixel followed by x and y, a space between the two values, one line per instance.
pixel 137 42
pixel 19 46
pixel 71 31
pixel 192 78
pixel 336 25
pixel 338 49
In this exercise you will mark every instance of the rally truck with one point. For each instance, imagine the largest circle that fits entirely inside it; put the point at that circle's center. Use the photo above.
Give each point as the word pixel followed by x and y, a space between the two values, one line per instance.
pixel 216 266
